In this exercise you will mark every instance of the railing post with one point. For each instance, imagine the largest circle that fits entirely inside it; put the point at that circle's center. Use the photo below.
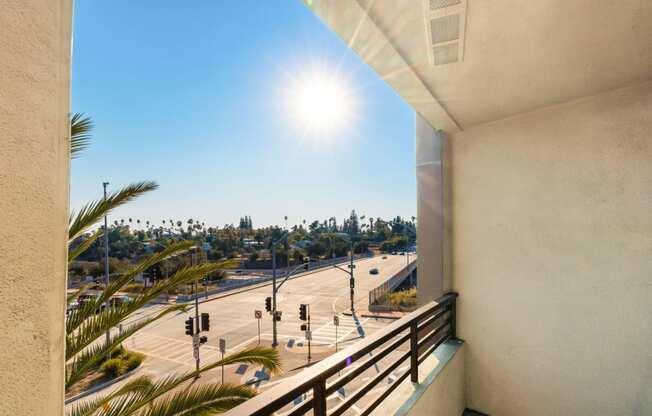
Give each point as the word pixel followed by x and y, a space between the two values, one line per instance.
pixel 319 398
pixel 453 318
pixel 414 352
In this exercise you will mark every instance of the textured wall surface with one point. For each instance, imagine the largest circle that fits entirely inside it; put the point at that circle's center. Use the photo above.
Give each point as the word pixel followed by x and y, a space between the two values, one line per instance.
pixel 552 252
pixel 34 103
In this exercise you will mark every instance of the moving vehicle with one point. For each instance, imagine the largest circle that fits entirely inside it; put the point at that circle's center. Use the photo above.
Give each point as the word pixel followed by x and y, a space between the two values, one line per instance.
pixel 373 271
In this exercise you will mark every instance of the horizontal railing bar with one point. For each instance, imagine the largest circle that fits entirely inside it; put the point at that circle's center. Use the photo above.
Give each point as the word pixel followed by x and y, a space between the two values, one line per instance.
pixel 284 393
pixel 385 393
pixel 432 320
pixel 433 347
pixel 368 386
pixel 305 406
pixel 432 333
pixel 371 361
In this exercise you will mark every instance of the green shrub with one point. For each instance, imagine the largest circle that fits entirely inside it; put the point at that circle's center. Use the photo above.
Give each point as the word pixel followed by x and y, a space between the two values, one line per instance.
pixel 114 367
pixel 133 360
pixel 118 351
pixel 404 298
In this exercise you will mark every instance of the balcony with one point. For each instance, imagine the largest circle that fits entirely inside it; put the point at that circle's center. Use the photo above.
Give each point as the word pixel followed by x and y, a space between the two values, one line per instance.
pixel 422 346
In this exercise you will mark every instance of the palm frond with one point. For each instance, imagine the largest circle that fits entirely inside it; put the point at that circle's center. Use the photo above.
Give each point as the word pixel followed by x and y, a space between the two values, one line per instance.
pixel 88 408
pixel 84 362
pixel 88 309
pixel 80 128
pixel 131 404
pixel 93 212
pixel 202 400
pixel 85 245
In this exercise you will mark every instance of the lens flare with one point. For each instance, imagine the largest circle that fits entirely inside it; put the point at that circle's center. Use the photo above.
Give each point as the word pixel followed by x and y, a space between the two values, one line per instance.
pixel 319 104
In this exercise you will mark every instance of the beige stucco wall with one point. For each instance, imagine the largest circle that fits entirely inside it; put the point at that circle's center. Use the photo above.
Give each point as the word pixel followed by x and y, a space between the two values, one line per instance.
pixel 34 104
pixel 552 257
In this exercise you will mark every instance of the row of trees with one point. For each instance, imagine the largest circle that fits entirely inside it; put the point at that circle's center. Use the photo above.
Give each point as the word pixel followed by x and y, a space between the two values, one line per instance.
pixel 325 239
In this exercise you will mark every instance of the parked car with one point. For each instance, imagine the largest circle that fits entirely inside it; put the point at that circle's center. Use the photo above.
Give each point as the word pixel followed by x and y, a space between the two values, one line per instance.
pixel 74 305
pixel 373 271
pixel 119 300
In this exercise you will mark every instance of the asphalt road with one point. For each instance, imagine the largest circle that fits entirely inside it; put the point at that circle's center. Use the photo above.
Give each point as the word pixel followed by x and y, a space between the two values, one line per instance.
pixel 232 317
pixel 169 350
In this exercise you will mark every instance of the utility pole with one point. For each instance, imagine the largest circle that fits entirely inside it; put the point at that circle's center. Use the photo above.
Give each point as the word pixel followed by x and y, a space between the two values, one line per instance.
pixel 106 263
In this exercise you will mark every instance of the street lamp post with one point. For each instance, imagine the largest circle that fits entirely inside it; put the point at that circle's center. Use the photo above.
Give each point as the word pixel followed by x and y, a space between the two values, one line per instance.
pixel 106 262
pixel 350 272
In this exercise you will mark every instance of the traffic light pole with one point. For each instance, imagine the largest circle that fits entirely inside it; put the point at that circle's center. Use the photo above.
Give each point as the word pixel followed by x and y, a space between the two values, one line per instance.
pixel 310 332
pixel 197 328
pixel 351 278
pixel 274 337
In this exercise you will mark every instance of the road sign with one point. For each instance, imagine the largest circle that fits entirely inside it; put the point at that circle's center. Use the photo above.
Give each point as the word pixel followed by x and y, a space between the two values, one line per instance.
pixel 336 320
pixel 195 352
pixel 258 314
pixel 309 335
pixel 351 266
pixel 222 345
pixel 195 341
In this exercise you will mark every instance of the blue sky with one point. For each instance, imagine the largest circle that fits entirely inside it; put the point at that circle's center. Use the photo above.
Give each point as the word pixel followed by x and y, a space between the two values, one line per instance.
pixel 194 95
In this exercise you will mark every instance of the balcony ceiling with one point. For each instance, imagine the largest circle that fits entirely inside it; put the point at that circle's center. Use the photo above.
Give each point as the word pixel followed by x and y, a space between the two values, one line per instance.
pixel 517 55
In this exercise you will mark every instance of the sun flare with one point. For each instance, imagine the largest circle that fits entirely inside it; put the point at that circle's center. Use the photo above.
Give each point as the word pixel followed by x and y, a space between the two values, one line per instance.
pixel 320 103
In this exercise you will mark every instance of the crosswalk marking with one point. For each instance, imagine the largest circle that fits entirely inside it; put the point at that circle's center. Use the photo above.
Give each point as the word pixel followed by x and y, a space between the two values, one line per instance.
pixel 325 334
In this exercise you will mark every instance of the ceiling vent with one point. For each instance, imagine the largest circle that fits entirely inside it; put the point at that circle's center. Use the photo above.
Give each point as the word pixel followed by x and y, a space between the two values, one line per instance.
pixel 440 4
pixel 445 22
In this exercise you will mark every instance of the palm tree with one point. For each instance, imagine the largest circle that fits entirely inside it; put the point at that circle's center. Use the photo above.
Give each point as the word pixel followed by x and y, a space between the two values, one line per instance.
pixel 80 128
pixel 85 329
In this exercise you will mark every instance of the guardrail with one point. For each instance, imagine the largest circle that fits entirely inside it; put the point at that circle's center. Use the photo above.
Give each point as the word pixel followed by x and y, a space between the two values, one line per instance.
pixel 424 329
pixel 390 284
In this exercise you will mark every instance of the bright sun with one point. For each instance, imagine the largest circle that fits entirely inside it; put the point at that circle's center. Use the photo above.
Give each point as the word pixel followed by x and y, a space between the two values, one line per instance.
pixel 320 104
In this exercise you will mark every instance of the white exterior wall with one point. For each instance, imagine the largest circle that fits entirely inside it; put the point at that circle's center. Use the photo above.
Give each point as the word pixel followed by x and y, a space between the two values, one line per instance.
pixel 552 257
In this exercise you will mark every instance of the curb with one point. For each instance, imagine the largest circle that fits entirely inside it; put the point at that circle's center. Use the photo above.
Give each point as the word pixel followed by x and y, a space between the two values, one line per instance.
pixel 99 387
pixel 378 316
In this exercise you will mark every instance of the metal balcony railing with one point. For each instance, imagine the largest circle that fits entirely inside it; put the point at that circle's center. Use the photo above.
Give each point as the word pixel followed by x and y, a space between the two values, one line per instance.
pixel 424 330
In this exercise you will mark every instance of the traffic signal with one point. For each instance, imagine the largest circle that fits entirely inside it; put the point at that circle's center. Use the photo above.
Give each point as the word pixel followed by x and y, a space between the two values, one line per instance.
pixel 190 326
pixel 277 316
pixel 304 327
pixel 203 340
pixel 303 312
pixel 268 304
pixel 205 322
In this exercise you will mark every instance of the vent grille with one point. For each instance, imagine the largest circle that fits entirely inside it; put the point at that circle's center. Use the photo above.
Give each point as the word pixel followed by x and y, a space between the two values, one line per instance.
pixel 440 4
pixel 446 28
pixel 445 54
